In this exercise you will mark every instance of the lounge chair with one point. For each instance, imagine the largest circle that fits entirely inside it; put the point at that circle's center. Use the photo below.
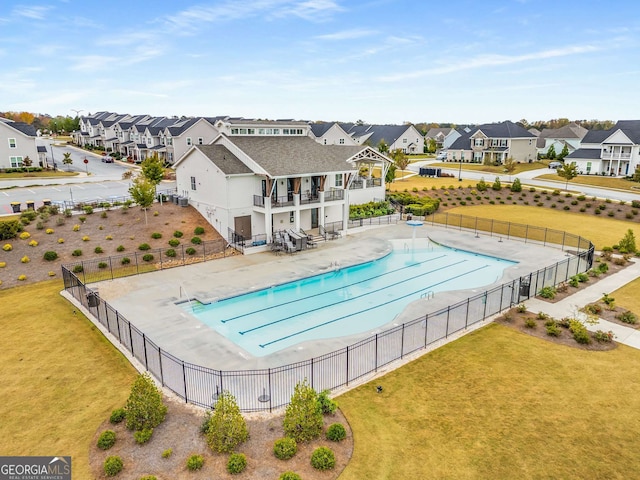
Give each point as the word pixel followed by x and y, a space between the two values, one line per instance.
pixel 289 247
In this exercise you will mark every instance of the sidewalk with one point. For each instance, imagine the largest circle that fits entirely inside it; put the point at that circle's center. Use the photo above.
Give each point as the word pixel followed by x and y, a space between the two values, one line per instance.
pixel 570 305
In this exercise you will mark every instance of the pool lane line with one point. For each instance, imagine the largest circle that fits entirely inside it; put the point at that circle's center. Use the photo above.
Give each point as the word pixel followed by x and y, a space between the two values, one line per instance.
pixel 366 309
pixel 352 298
pixel 300 299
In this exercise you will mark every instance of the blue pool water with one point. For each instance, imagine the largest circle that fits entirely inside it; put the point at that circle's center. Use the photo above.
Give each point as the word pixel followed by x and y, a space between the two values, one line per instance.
pixel 346 301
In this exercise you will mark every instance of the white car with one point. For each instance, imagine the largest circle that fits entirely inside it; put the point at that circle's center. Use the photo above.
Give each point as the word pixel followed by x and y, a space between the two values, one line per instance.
pixel 441 156
pixel 555 165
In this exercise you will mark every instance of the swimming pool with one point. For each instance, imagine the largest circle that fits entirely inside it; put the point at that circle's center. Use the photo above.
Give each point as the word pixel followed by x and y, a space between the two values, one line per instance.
pixel 344 301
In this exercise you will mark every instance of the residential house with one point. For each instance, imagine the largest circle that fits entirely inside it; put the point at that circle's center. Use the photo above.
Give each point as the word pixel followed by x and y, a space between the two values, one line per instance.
pixel 404 137
pixel 179 137
pixel 569 135
pixel 494 143
pixel 244 126
pixel 609 152
pixel 17 142
pixel 252 186
pixel 328 133
pixel 444 137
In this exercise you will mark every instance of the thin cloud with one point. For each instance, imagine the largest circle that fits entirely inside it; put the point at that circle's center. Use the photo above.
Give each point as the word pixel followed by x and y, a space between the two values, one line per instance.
pixel 347 35
pixel 492 61
pixel 34 13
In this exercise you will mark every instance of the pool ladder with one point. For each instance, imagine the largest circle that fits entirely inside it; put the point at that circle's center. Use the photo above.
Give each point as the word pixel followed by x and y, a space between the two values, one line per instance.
pixel 429 294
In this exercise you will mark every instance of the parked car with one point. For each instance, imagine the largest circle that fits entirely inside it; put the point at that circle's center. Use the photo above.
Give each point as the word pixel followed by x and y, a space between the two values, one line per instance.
pixel 107 159
pixel 555 165
pixel 441 156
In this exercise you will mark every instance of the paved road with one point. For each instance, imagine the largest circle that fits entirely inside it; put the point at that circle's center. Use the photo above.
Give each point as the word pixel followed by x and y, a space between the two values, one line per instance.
pixel 528 178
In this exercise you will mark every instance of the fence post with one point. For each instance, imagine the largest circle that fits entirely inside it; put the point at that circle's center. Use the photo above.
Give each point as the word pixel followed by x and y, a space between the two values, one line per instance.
pixel 160 362
pixel 131 339
pixel 270 396
pixel 508 230
pixel 486 299
pixel 466 316
pixel 118 323
pixel 446 332
pixel 137 266
pixel 184 380
pixel 426 329
pixel 544 242
pixel 144 346
pixel 111 267
pixel 312 373
pixel 347 365
pixel 376 354
pixel 160 255
pixel 402 343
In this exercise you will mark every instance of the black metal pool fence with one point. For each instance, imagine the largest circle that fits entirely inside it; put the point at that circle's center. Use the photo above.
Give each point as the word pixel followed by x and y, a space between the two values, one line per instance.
pixel 268 389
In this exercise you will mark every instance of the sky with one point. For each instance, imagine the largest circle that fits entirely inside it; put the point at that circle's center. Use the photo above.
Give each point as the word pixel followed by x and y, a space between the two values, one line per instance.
pixel 379 61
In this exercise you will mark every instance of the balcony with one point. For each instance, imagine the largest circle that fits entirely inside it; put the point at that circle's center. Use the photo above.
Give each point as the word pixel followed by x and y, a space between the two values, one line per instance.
pixel 609 155
pixel 360 183
pixel 333 195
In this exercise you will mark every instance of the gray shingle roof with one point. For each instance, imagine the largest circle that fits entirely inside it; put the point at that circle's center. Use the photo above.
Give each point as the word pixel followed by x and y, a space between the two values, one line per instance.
pixel 42 149
pixel 492 130
pixel 226 161
pixel 631 129
pixel 584 154
pixel 319 129
pixel 285 156
pixel 24 128
pixel 597 136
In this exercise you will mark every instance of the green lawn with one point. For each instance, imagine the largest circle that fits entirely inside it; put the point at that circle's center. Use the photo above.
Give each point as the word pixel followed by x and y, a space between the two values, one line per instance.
pixel 499 404
pixel 596 181
pixel 627 296
pixel 60 377
pixel 46 174
pixel 497 170
pixel 601 231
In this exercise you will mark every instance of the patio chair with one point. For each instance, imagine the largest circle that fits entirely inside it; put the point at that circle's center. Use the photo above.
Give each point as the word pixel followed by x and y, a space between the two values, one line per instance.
pixel 289 247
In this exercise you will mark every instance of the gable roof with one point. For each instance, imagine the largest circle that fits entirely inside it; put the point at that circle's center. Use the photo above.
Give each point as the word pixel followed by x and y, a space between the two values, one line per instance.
pixel 319 129
pixel 224 159
pixel 286 156
pixel 597 136
pixel 631 129
pixel 433 132
pixel 492 130
pixel 585 153
pixel 24 128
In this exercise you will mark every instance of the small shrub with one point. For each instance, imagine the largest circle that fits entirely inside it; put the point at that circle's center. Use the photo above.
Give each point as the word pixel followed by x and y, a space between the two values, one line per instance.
pixel 103 214
pixel 548 292
pixel 147 257
pixel 144 408
pixel 108 237
pixel 290 476
pixel 102 265
pixel 593 309
pixel 25 235
pixel 3 264
pixel 52 273
pixel 190 251
pixel 106 440
pixel 170 253
pixel 178 234
pixel 237 463
pixel 195 462
pixel 7 247
pixel 327 405
pixel 196 240
pixel 579 331
pixel 125 261
pixel 50 256
pixel 285 448
pixel 61 240
pixel 530 323
pixel 609 301
pixel 144 247
pixel 323 458
pixel 22 277
pixel 156 235
pixel 98 250
pixel 627 317
pixel 88 209
pixel 167 453
pixel 77 253
pixel 82 219
pixel 156 213
pixel 49 231
pixel 78 269
pixel 143 436
pixel 336 432
pixel 542 316
pixel 149 477
pixel 117 415
pixel 603 337
pixel 120 248
pixel 174 242
pixel 198 231
pixel 112 466
pixel 553 330
pixel 33 243
pixel 25 259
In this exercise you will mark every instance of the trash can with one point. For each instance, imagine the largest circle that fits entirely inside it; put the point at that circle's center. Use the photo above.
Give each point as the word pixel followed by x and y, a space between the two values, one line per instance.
pixel 15 207
pixel 31 205
pixel 93 300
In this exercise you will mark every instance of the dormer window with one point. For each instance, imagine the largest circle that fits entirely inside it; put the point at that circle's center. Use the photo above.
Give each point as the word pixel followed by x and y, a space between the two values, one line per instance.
pixel 479 142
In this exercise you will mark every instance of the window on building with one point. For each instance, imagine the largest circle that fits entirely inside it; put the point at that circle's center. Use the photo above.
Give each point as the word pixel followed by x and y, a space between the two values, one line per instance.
pixel 404 140
pixel 342 141
pixel 16 162
pixel 588 167
pixel 235 131
pixel 478 142
pixel 188 141
pixel 12 143
pixel 200 140
pixel 193 183
pixel 338 180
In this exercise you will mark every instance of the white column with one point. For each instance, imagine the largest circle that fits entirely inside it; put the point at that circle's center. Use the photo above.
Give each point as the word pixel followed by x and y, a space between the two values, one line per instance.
pixel 268 219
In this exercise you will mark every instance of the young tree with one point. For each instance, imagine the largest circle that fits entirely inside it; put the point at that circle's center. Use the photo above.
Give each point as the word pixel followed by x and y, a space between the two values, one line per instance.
pixel 563 153
pixel 433 146
pixel 636 174
pixel 27 162
pixel 497 186
pixel 510 166
pixel 143 193
pixel 391 174
pixel 382 146
pixel 152 169
pixel 226 427
pixel 516 186
pixel 568 171
pixel 303 416
pixel 67 160
pixel 144 408
pixel 628 243
pixel 551 153
pixel 400 160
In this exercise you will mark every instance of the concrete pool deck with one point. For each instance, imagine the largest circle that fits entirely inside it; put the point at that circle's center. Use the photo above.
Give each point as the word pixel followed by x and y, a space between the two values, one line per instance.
pixel 148 301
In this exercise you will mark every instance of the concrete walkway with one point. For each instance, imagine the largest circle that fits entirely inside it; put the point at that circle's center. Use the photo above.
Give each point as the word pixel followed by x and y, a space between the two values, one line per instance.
pixel 570 306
